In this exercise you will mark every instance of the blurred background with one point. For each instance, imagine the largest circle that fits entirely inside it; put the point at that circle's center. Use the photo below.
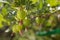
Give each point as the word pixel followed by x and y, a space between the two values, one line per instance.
pixel 29 19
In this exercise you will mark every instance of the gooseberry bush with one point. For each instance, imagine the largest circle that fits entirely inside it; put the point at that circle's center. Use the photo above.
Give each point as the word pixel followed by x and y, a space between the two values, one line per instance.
pixel 30 19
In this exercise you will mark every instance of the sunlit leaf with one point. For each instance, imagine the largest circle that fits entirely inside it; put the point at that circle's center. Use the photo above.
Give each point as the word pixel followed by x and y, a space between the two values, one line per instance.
pixel 21 14
pixel 16 28
pixel 58 2
pixel 1 20
pixel 34 1
pixel 4 11
pixel 40 4
pixel 26 21
pixel 52 2
pixel 1 25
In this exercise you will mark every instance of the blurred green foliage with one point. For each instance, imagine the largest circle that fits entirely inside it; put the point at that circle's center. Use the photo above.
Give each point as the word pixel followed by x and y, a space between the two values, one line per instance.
pixel 27 17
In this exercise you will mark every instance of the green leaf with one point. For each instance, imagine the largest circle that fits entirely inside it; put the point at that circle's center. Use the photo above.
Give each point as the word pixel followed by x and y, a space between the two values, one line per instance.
pixel 26 21
pixel 58 2
pixel 38 21
pixel 40 4
pixel 16 28
pixel 52 2
pixel 51 21
pixel 4 11
pixel 1 25
pixel 1 20
pixel 1 17
pixel 21 14
pixel 1 4
pixel 34 1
